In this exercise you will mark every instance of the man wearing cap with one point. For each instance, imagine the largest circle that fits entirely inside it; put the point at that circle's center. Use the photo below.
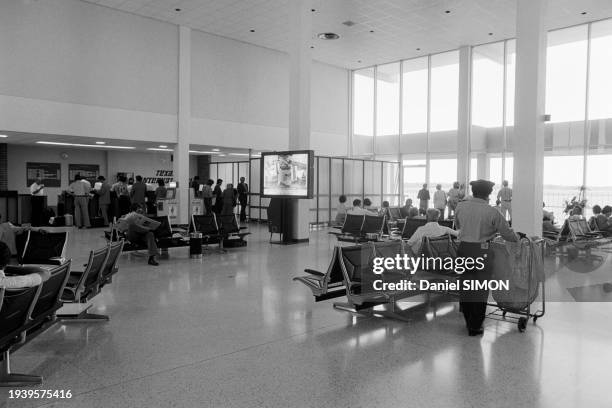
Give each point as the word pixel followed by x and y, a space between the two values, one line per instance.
pixel 505 197
pixel 478 223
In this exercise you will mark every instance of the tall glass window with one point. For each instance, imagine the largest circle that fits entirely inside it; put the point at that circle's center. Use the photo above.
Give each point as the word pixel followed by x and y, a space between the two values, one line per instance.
pixel 387 108
pixel 414 96
pixel 566 74
pixel 488 85
pixel 444 91
pixel 442 171
pixel 415 175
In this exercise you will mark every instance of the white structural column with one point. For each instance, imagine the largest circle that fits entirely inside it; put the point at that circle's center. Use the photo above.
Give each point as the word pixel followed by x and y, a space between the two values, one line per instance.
pixel 181 150
pixel 529 117
pixel 463 125
pixel 299 98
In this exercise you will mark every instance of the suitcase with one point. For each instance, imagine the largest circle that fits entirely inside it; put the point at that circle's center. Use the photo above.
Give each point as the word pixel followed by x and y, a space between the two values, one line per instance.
pixel 97 222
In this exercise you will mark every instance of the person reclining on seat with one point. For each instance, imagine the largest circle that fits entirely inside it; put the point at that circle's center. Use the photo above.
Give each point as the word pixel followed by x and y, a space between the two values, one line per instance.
pixel 575 214
pixel 38 276
pixel 548 219
pixel 138 234
pixel 604 222
pixel 432 229
pixel 8 233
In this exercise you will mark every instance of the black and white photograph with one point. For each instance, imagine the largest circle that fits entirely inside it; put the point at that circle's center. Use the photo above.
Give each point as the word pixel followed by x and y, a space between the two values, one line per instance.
pixel 305 203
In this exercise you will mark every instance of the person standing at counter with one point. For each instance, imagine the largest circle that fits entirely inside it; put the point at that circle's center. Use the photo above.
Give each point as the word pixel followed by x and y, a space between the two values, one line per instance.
pixel 243 197
pixel 80 190
pixel 104 199
pixel 123 196
pixel 37 190
pixel 478 223
pixel 218 193
pixel 138 193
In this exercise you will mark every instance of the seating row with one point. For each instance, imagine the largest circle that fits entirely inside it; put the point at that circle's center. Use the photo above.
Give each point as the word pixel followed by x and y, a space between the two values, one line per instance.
pixel 361 228
pixel 222 229
pixel 27 312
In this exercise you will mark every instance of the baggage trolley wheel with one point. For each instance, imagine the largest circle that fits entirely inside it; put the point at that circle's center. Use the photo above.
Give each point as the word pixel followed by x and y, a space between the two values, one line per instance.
pixel 522 324
pixel 504 313
pixel 535 319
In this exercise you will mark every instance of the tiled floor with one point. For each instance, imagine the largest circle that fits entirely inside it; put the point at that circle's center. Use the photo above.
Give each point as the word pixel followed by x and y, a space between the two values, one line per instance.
pixel 234 330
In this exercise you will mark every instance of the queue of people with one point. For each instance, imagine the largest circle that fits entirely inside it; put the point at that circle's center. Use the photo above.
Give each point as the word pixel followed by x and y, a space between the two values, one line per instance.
pixel 220 200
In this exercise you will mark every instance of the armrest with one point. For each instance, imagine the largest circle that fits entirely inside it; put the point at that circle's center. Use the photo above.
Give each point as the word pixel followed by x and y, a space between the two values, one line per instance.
pixel 313 272
pixel 16 270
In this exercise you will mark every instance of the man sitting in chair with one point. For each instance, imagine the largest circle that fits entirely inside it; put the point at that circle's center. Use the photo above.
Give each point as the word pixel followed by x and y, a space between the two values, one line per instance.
pixel 137 233
pixel 432 229
pixel 37 276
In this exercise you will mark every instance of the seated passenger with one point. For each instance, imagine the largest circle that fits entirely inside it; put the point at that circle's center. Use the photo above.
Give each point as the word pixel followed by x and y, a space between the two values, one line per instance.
pixel 341 210
pixel 138 234
pixel 384 210
pixel 357 210
pixel 367 205
pixel 547 215
pixel 404 210
pixel 431 229
pixel 413 212
pixel 22 281
pixel 575 214
pixel 607 213
pixel 7 235
pixel 498 206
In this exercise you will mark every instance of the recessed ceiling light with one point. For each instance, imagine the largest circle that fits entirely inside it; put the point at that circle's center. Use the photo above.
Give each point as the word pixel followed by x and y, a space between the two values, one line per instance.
pixel 348 23
pixel 418 49
pixel 371 31
pixel 221 155
pixel 84 145
pixel 312 46
pixel 202 152
pixel 447 12
pixel 252 31
pixel 583 13
pixel 159 149
pixel 177 9
pixel 313 10
pixel 162 146
pixel 328 36
pixel 238 154
pixel 101 143
pixel 3 136
pixel 490 33
pixel 359 61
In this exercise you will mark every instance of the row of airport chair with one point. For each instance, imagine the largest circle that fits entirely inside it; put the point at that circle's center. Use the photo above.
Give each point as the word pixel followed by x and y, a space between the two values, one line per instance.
pixel 41 247
pixel 27 312
pixel 222 230
pixel 164 236
pixel 350 264
pixel 356 228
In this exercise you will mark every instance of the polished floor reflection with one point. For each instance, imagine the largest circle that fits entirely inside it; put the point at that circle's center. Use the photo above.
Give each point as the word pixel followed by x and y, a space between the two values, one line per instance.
pixel 233 330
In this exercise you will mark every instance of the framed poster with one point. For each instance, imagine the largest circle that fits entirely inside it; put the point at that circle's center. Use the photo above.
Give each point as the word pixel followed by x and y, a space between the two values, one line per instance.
pixel 49 173
pixel 89 172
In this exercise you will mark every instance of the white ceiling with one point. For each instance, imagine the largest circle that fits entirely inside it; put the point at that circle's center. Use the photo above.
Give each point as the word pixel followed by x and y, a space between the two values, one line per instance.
pixel 31 139
pixel 400 26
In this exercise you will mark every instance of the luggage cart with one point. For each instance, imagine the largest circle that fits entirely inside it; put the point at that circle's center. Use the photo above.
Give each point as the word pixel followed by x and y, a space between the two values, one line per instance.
pixel 516 306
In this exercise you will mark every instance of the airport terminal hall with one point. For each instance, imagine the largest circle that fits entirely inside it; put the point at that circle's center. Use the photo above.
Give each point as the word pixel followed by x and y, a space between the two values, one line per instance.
pixel 305 203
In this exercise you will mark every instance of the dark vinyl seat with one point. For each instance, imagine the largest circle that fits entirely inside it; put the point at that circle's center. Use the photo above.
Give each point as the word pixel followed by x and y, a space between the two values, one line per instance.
pixel 229 228
pixel 110 267
pixel 356 263
pixel 49 299
pixel 352 225
pixel 44 247
pixel 373 224
pixel 411 225
pixel 15 310
pixel 84 285
pixel 328 284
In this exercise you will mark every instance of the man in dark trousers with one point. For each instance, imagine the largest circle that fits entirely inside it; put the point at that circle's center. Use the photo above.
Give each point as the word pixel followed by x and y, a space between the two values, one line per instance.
pixel 138 193
pixel 243 190
pixel 423 197
pixel 478 223
pixel 104 200
pixel 218 194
